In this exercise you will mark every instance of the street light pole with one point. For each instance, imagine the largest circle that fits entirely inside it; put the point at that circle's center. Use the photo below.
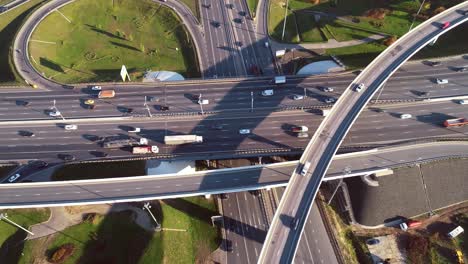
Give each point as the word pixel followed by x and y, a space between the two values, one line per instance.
pixel 251 102
pixel 5 217
pixel 285 16
pixel 147 206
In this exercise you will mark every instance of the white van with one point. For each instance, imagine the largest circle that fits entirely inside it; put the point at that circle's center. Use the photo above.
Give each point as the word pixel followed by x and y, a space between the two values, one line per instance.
pixel 305 168
pixel 405 116
pixel 267 92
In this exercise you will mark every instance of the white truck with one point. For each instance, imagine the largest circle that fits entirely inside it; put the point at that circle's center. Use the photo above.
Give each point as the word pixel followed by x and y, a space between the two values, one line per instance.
pixel 182 139
pixel 325 112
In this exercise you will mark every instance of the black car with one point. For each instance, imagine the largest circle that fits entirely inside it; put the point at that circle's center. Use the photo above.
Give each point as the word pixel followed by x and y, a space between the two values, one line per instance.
pixel 129 110
pixel 228 245
pixel 460 69
pixel 25 133
pixel 223 196
pixel 238 20
pixel 216 24
pixel 230 6
pixel 435 63
pixel 217 126
pixel 26 103
pixel 423 93
pixel 242 13
pixel 239 43
pixel 66 157
pixel 255 192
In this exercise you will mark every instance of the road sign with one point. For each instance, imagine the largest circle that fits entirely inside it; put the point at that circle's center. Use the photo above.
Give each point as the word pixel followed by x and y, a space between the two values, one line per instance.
pixel 124 73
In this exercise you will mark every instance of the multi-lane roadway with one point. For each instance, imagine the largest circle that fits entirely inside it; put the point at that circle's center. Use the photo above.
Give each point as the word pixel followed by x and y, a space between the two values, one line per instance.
pixel 286 229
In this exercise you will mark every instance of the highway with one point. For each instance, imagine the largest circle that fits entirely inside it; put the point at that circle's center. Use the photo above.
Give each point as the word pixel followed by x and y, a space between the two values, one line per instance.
pixel 286 228
pixel 208 182
pixel 269 131
pixel 228 96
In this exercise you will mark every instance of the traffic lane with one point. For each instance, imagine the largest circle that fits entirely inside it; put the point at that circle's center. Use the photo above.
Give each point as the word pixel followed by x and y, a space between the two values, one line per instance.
pixel 233 224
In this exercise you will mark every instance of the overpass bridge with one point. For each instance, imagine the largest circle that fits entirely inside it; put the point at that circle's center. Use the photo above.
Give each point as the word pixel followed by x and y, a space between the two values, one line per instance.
pixel 139 188
pixel 286 228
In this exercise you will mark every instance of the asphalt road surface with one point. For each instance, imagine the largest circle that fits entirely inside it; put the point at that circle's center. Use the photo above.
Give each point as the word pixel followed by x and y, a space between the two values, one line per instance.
pixel 286 228
pixel 218 181
pixel 227 96
pixel 268 132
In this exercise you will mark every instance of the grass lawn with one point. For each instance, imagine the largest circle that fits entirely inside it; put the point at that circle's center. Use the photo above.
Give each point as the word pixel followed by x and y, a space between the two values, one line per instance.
pixel 308 29
pixel 252 6
pixel 100 170
pixel 11 237
pixel 114 238
pixel 358 56
pixel 141 35
pixel 275 23
pixel 9 24
pixel 4 2
pixel 462 239
pixel 193 5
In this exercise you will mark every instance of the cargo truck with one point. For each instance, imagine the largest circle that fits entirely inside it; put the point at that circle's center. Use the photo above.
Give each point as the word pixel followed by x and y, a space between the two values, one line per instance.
pixel 106 94
pixel 119 143
pixel 182 139
pixel 145 149
pixel 455 122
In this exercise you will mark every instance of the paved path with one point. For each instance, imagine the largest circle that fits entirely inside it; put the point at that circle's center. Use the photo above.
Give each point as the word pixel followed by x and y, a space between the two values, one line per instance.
pixel 60 218
pixel 331 44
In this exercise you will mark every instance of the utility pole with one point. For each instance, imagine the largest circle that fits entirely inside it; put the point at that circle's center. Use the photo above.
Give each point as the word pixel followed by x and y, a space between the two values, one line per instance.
pixel 5 217
pixel 251 102
pixel 200 103
pixel 146 106
pixel 285 15
pixel 147 206
pixel 381 90
pixel 414 18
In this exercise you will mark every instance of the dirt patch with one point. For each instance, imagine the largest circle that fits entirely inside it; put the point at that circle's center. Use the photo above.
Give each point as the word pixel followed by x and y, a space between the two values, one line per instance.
pixel 377 13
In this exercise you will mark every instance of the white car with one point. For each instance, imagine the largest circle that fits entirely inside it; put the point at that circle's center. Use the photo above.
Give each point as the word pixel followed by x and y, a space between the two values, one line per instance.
pixel 441 81
pixel 96 88
pixel 359 87
pixel 203 102
pixel 463 102
pixel 298 97
pixel 327 89
pixel 405 116
pixel 267 92
pixel 135 130
pixel 55 113
pixel 244 131
pixel 329 100
pixel 71 127
pixel 14 177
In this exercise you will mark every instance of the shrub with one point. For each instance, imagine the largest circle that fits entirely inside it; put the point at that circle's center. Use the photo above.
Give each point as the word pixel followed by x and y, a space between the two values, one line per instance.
pixel 438 10
pixel 62 253
pixel 417 249
pixel 377 13
pixel 390 40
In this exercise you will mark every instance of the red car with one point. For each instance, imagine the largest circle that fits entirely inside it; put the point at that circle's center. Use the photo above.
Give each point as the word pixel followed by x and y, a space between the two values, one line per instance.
pixel 445 25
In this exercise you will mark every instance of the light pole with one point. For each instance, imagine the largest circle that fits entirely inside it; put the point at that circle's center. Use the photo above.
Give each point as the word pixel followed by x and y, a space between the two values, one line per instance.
pixel 146 106
pixel 5 217
pixel 414 18
pixel 251 102
pixel 304 98
pixel 285 15
pixel 200 103
pixel 147 206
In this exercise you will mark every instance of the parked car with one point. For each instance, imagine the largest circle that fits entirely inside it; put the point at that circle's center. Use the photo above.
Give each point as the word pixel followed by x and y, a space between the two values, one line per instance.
pixel 244 131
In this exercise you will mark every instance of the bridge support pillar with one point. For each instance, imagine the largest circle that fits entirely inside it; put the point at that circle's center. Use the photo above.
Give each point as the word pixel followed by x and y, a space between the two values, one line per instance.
pixel 207 196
